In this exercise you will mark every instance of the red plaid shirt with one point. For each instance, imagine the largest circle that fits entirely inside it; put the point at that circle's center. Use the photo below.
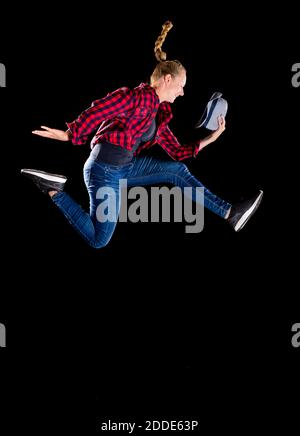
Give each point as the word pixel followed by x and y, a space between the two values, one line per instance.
pixel 123 116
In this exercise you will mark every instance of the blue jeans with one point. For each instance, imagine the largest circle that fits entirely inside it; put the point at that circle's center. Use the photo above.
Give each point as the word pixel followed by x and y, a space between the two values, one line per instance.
pixel 140 171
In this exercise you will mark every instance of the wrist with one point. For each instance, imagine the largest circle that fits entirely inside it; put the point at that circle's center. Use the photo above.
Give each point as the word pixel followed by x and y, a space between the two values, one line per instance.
pixel 68 135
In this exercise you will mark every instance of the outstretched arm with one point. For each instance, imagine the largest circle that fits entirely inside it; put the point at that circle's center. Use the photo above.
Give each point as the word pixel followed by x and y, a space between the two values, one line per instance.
pixel 88 121
pixel 214 135
pixel 59 135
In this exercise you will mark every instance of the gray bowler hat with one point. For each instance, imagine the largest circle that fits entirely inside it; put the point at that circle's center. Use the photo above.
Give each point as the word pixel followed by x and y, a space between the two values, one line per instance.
pixel 215 107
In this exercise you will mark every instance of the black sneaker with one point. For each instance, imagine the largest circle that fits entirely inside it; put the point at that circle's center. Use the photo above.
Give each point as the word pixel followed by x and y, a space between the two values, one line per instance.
pixel 241 212
pixel 45 181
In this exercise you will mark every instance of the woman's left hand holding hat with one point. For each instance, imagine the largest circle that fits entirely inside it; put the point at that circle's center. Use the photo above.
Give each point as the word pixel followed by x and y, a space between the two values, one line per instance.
pixel 215 134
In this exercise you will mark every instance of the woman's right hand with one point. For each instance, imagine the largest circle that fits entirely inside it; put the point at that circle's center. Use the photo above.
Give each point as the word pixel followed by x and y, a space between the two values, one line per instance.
pixel 60 135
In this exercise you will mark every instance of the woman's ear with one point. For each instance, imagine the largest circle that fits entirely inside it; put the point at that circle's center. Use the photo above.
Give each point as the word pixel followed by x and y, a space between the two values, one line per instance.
pixel 168 78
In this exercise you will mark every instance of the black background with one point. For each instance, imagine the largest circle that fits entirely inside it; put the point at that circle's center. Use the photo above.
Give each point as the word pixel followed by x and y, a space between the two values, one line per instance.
pixel 160 323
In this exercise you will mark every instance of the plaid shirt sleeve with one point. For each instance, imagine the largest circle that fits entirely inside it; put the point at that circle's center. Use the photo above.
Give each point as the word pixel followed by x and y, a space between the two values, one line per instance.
pixel 168 141
pixel 106 108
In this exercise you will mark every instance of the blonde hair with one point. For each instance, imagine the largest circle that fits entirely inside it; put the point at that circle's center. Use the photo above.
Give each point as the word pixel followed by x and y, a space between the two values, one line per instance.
pixel 164 67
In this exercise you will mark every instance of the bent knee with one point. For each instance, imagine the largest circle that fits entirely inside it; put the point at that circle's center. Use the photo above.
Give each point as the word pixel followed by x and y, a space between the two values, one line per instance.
pixel 99 244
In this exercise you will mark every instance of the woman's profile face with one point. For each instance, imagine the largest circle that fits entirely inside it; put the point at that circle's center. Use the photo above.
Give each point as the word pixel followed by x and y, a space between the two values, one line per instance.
pixel 174 86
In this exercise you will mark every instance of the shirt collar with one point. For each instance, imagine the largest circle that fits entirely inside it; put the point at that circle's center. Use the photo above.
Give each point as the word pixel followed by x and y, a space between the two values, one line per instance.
pixel 164 106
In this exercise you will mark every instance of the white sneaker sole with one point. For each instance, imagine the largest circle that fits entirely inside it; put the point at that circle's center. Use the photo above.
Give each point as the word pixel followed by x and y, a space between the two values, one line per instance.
pixel 244 218
pixel 46 176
